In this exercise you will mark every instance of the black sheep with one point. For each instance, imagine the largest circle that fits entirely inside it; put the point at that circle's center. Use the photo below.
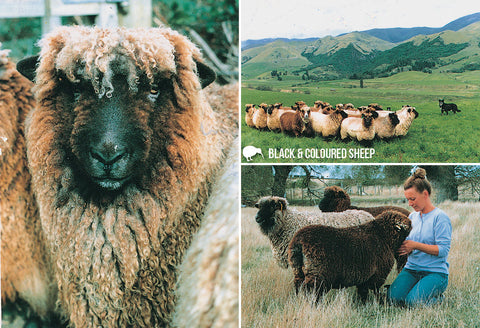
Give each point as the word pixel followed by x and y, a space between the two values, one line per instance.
pixel 325 257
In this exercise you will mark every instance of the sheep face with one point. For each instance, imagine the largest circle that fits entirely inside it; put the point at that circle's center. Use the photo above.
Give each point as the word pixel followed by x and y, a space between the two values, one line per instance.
pixel 267 207
pixel 119 96
pixel 335 199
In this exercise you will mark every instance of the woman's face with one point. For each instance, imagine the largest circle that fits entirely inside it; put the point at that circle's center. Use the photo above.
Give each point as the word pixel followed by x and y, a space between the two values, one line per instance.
pixel 417 200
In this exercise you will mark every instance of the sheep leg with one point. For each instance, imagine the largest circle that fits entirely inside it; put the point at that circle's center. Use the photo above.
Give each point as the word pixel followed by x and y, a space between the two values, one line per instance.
pixel 362 292
pixel 299 278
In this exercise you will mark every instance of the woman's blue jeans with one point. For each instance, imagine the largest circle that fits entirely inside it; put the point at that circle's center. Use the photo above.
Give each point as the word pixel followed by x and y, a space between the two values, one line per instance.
pixel 412 287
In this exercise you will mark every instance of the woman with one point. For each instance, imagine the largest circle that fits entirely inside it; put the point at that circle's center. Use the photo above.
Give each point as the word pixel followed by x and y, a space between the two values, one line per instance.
pixel 425 276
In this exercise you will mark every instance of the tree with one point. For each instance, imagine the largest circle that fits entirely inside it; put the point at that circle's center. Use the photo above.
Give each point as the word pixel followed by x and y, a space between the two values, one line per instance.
pixel 256 182
pixel 444 182
pixel 280 179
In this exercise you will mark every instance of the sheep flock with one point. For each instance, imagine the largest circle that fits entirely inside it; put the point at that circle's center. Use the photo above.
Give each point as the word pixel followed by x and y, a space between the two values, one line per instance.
pixel 344 121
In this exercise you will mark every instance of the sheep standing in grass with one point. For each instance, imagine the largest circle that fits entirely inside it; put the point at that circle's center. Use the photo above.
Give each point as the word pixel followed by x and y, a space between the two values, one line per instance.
pixel 279 223
pixel 325 257
pixel 249 110
pixel 273 116
pixel 385 125
pixel 327 125
pixel 360 128
pixel 26 269
pixel 295 122
pixel 123 147
pixel 406 115
pixel 260 116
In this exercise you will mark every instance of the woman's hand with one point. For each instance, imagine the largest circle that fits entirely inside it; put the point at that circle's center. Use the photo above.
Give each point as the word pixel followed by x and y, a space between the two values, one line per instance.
pixel 407 247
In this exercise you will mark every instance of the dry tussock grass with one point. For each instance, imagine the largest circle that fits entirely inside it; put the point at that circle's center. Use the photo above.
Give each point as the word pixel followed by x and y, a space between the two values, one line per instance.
pixel 269 300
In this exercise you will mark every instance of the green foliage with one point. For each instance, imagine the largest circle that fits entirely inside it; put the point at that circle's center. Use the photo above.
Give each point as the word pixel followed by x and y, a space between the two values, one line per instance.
pixel 204 16
pixel 20 36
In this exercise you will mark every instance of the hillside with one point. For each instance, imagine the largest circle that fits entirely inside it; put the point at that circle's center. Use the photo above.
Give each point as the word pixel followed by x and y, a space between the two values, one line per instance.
pixel 361 55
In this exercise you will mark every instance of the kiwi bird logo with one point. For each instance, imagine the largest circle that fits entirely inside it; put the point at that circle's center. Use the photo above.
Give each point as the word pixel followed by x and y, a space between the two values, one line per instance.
pixel 250 151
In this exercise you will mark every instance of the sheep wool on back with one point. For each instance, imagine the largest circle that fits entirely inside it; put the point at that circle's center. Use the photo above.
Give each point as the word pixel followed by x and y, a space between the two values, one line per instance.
pixel 123 146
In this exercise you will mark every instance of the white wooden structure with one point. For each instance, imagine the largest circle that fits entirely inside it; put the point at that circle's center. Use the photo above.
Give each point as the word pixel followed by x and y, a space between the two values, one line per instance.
pixel 128 13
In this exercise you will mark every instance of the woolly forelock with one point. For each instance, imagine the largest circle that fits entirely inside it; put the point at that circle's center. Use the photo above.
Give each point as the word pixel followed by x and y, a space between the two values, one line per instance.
pixel 116 257
pixel 86 53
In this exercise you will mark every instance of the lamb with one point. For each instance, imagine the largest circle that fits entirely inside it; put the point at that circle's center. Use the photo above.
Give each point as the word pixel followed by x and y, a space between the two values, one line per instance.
pixel 122 147
pixel 279 223
pixel 212 259
pixel 273 116
pixel 327 125
pixel 406 115
pixel 325 257
pixel 295 122
pixel 385 125
pixel 362 129
pixel 447 107
pixel 260 116
pixel 335 199
pixel 249 110
pixel 25 267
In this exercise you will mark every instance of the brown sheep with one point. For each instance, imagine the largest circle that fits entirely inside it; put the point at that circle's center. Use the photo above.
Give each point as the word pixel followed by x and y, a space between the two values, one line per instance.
pixel 26 270
pixel 335 199
pixel 295 122
pixel 249 110
pixel 123 147
pixel 324 257
pixel 273 116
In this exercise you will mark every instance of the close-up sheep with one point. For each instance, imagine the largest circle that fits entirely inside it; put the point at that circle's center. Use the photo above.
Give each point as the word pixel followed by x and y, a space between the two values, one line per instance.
pixel 324 257
pixel 123 147
pixel 279 222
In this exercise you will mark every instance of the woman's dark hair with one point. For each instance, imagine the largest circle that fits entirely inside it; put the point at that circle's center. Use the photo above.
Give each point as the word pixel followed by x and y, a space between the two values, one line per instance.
pixel 419 181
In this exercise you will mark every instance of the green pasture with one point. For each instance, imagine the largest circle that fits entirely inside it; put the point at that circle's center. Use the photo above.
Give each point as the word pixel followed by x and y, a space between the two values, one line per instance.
pixel 432 138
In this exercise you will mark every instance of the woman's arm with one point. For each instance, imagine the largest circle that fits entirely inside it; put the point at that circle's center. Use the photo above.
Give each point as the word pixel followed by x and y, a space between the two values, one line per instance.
pixel 409 245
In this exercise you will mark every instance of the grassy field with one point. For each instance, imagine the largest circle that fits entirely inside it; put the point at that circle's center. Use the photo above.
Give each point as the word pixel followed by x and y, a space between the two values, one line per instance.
pixel 432 138
pixel 269 300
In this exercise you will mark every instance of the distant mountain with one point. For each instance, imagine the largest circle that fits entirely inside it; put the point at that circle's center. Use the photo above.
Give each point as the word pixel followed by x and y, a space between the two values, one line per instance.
pixel 258 43
pixel 399 34
pixel 363 55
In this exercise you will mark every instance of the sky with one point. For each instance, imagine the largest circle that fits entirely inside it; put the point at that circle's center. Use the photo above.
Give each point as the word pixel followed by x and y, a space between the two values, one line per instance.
pixel 318 18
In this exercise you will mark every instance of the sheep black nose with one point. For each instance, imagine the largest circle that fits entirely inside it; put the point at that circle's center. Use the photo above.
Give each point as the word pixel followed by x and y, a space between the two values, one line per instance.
pixel 108 154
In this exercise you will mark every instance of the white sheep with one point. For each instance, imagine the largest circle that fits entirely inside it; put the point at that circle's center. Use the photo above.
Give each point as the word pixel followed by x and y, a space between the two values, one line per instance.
pixel 385 125
pixel 406 115
pixel 327 125
pixel 279 223
pixel 362 128
pixel 260 116
pixel 273 116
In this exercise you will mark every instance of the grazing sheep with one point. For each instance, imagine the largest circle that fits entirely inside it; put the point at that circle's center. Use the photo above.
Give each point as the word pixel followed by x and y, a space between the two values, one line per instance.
pixel 325 257
pixel 25 266
pixel 260 116
pixel 385 125
pixel 295 122
pixel 273 116
pixel 327 125
pixel 249 110
pixel 207 289
pixel 406 115
pixel 122 147
pixel 360 128
pixel 447 107
pixel 279 223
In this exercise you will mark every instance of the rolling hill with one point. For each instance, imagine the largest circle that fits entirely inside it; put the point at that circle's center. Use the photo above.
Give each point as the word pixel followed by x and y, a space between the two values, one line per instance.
pixel 359 54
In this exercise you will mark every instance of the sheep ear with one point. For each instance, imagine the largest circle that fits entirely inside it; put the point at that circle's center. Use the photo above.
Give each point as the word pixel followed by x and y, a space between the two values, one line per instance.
pixel 205 73
pixel 374 114
pixel 281 204
pixel 257 205
pixel 28 67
